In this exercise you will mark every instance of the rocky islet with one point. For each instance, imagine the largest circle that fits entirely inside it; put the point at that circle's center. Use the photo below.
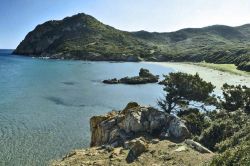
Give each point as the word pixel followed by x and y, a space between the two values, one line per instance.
pixel 144 77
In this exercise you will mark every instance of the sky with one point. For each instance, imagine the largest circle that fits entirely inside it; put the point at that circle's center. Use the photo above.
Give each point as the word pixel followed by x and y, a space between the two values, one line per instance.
pixel 18 17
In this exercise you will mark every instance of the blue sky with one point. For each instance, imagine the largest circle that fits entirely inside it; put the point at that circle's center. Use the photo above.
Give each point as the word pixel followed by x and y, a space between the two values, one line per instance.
pixel 18 17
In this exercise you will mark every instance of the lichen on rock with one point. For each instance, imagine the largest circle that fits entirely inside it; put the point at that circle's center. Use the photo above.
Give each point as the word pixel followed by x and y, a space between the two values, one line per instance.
pixel 117 127
pixel 134 136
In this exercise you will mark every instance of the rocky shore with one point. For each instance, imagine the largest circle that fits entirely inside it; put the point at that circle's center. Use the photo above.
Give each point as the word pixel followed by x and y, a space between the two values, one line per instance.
pixel 138 135
pixel 144 77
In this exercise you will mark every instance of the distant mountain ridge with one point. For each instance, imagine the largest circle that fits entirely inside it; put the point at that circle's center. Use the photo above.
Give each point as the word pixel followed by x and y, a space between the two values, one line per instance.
pixel 84 37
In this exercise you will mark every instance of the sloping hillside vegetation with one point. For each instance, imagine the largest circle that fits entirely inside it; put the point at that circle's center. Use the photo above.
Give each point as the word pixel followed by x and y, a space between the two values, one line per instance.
pixel 226 129
pixel 84 37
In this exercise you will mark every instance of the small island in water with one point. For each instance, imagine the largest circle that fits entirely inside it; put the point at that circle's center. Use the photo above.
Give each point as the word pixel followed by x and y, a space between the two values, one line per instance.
pixel 185 132
pixel 144 77
pixel 94 95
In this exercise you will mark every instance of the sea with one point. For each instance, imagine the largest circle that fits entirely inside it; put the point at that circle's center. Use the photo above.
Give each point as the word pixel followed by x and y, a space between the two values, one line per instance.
pixel 45 104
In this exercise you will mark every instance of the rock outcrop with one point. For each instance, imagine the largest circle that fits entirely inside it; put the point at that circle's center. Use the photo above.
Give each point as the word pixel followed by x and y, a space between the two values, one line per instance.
pixel 136 148
pixel 197 146
pixel 140 152
pixel 111 81
pixel 135 136
pixel 116 127
pixel 144 77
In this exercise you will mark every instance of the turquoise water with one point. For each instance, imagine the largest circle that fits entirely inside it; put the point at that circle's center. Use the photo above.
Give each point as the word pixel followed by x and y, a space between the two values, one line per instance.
pixel 45 105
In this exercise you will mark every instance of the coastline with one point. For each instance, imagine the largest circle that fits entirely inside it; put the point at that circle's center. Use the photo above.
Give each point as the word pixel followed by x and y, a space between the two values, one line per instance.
pixel 217 74
pixel 216 77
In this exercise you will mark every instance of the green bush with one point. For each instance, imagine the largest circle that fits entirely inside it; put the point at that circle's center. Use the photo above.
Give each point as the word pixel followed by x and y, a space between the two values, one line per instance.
pixel 244 66
pixel 214 134
pixel 240 136
pixel 182 88
pixel 194 120
pixel 236 97
pixel 237 156
pixel 222 127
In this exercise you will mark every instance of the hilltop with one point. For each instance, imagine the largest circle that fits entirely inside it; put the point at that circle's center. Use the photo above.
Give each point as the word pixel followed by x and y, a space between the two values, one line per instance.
pixel 84 37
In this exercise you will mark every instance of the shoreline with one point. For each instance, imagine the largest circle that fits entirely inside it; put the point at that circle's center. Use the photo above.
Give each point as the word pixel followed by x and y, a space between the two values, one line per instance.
pixel 214 73
pixel 215 76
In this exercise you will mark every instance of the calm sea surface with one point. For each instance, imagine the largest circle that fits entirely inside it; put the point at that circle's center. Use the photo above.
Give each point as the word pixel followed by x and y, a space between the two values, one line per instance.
pixel 45 105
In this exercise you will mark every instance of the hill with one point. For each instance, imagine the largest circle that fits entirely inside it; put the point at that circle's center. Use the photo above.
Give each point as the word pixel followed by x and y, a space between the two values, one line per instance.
pixel 84 37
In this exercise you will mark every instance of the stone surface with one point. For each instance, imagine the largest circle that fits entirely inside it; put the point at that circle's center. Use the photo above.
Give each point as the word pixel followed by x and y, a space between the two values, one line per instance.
pixel 178 129
pixel 137 147
pixel 181 148
pixel 160 154
pixel 144 77
pixel 111 81
pixel 155 141
pixel 197 146
pixel 117 151
pixel 115 128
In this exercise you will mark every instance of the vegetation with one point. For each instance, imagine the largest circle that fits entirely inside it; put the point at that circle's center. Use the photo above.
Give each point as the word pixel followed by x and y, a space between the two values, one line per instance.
pixel 230 68
pixel 196 121
pixel 224 130
pixel 222 126
pixel 83 37
pixel 182 88
pixel 236 97
pixel 235 150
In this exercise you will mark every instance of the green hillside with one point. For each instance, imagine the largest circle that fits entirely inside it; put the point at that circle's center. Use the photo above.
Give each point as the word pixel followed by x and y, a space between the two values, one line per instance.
pixel 84 37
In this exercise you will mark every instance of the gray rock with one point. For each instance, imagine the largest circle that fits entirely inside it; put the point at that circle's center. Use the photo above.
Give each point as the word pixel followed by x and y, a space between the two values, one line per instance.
pixel 144 77
pixel 197 146
pixel 178 129
pixel 155 141
pixel 137 147
pixel 111 81
pixel 117 127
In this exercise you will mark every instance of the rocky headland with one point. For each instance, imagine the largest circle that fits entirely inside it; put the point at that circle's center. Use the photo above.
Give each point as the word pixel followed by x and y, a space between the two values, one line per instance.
pixel 144 77
pixel 138 135
pixel 84 37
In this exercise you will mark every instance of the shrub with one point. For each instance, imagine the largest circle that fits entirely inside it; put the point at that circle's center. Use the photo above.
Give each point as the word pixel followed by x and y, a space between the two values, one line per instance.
pixel 244 66
pixel 222 128
pixel 194 120
pixel 181 88
pixel 237 156
pixel 236 97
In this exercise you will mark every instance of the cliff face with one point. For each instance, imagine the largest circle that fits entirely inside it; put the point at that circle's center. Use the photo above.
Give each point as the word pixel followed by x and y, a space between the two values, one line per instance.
pixel 138 135
pixel 117 127
pixel 84 37
pixel 79 37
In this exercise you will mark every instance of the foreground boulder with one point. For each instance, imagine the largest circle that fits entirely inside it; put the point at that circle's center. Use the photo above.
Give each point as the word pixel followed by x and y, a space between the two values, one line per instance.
pixel 116 127
pixel 144 77
pixel 137 147
pixel 178 129
pixel 197 146
pixel 134 136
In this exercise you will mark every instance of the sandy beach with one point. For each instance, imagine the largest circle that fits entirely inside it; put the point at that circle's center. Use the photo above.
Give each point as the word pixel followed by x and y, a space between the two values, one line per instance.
pixel 217 78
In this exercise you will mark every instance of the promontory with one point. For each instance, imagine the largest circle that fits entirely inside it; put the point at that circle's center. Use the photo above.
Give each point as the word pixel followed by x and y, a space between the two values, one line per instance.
pixel 83 37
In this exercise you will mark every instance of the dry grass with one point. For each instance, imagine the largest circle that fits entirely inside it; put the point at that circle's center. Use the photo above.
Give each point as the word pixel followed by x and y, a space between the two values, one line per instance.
pixel 162 153
pixel 231 68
